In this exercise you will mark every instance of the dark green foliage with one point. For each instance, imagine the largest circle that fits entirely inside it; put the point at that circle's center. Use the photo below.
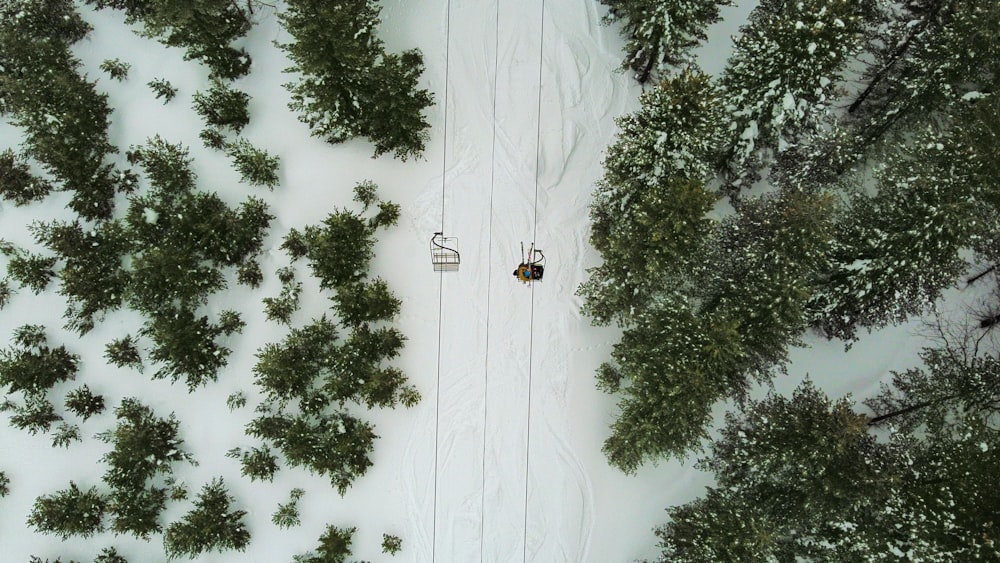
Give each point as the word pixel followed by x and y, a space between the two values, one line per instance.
pixel 648 215
pixel 287 515
pixel 363 302
pixel 31 270
pixel 336 445
pixel 249 274
pixel 83 403
pixel 661 33
pixel 210 526
pixel 123 352
pixel 282 308
pixel 236 400
pixel 899 249
pixel 143 446
pixel 186 346
pixel 92 277
pixel 391 544
pixel 63 117
pixel 162 89
pixel 137 510
pixel 110 555
pixel 804 479
pixel 5 292
pixel 65 434
pixel 17 183
pixel 4 484
pixel 348 85
pixel 31 366
pixel 36 415
pixel 70 512
pixel 116 68
pixel 288 370
pixel 256 166
pixel 212 138
pixel 783 76
pixel 222 107
pixel 257 464
pixel 334 546
pixel 205 29
pixel 927 57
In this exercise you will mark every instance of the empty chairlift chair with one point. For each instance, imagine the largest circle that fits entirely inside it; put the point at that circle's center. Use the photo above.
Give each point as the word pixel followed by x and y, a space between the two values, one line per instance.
pixel 444 256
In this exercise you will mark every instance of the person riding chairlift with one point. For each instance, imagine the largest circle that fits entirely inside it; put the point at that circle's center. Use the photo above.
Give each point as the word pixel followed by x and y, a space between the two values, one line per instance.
pixel 531 267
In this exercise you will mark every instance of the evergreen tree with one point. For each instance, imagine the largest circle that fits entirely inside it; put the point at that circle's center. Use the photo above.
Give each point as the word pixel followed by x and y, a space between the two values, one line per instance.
pixel 5 292
pixel 365 302
pixel 223 107
pixel 143 446
pixel 256 166
pixel 83 403
pixel 648 215
pixel 70 512
pixel 391 544
pixel 136 510
pixel 65 434
pixel 123 352
pixel 116 68
pixel 17 183
pixel 110 555
pixel 31 366
pixel 205 29
pixel 289 370
pixel 899 249
pixel 257 464
pixel 162 88
pixel 92 277
pixel 36 415
pixel 186 346
pixel 236 400
pixel 337 445
pixel 4 484
pixel 783 76
pixel 661 34
pixel 211 526
pixel 282 308
pixel 287 515
pixel 29 270
pixel 334 546
pixel 349 86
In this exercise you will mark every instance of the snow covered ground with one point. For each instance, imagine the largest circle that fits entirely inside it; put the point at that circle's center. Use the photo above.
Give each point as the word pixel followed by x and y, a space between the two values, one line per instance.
pixel 501 460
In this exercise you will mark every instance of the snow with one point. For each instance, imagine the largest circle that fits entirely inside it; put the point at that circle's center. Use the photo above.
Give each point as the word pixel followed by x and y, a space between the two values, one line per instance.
pixel 501 459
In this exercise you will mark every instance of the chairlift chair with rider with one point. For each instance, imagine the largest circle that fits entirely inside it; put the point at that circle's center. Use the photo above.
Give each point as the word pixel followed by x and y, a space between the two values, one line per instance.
pixel 532 266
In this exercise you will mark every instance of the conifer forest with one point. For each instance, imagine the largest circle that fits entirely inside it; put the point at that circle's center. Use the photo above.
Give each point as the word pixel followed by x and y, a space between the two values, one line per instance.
pixel 220 339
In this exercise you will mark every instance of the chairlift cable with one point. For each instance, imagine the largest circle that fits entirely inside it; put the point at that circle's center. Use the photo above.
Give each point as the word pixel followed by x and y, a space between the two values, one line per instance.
pixel 531 323
pixel 489 284
pixel 437 390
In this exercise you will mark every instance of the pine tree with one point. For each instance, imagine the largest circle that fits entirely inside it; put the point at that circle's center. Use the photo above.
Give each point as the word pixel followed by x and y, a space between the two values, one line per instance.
pixel 162 88
pixel 223 107
pixel 334 546
pixel 136 510
pixel 36 415
pixel 287 515
pixel 648 214
pixel 70 512
pixel 65 434
pixel 257 464
pixel 17 183
pixel 116 68
pixel 349 86
pixel 143 446
pixel 661 34
pixel 92 277
pixel 29 270
pixel 783 76
pixel 31 366
pixel 391 544
pixel 123 352
pixel 4 484
pixel 83 403
pixel 282 308
pixel 110 555
pixel 899 249
pixel 256 166
pixel 211 526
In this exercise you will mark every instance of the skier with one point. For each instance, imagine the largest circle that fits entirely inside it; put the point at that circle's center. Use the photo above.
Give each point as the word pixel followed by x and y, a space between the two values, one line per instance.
pixel 531 267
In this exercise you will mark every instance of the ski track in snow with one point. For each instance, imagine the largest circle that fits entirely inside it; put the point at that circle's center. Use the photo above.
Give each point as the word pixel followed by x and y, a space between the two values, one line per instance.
pixel 532 500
